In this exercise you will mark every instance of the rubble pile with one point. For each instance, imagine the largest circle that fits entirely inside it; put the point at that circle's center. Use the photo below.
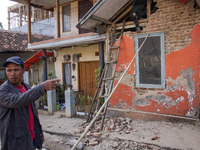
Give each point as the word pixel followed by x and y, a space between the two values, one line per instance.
pixel 121 125
pixel 110 125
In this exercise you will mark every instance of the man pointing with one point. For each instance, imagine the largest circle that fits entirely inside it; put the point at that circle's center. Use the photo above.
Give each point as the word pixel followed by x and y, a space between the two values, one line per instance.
pixel 20 128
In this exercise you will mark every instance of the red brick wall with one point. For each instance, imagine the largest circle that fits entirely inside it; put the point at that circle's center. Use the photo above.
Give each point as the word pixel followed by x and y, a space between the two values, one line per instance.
pixel 182 61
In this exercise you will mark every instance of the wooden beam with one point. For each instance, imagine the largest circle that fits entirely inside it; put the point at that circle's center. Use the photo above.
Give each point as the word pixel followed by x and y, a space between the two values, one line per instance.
pixel 8 20
pixel 20 16
pixel 122 10
pixel 198 2
pixel 33 13
pixel 29 21
pixel 148 8
pixel 58 17
pixel 123 14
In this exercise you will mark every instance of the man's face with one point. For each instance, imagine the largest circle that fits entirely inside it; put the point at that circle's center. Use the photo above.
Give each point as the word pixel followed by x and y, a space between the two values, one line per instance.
pixel 14 73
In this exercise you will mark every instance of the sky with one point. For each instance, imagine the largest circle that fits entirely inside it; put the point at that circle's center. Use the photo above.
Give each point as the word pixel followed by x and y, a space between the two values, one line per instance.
pixel 4 12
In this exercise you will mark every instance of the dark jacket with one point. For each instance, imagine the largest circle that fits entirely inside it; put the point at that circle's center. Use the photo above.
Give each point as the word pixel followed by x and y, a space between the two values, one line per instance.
pixel 14 115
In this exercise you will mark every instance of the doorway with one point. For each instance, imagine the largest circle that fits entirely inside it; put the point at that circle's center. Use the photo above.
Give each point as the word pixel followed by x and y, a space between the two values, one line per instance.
pixel 87 81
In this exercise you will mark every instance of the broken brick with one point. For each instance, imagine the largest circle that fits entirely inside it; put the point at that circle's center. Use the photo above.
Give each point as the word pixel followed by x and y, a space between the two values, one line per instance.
pixel 77 132
pixel 97 134
pixel 155 138
pixel 112 124
pixel 115 144
pixel 88 134
pixel 93 142
pixel 126 131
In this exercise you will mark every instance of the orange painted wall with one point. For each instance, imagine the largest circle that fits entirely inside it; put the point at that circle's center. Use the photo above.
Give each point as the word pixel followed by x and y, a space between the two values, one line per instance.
pixel 180 100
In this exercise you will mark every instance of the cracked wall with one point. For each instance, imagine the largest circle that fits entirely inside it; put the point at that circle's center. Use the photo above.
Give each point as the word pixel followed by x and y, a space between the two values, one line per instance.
pixel 181 93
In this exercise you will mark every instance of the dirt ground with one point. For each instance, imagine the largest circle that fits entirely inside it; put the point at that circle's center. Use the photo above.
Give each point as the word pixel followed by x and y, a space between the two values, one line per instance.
pixel 59 133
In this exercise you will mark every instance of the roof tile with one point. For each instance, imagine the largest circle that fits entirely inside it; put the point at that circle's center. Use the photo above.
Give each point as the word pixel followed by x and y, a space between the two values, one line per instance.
pixel 18 41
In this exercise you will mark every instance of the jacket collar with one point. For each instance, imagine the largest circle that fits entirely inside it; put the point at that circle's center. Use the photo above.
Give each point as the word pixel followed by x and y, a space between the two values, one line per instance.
pixel 26 85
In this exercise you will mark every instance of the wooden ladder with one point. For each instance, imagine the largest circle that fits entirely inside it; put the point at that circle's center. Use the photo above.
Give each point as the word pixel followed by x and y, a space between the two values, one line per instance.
pixel 105 84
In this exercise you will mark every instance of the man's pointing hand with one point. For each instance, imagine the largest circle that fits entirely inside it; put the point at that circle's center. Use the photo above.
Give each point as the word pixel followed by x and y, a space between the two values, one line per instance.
pixel 50 84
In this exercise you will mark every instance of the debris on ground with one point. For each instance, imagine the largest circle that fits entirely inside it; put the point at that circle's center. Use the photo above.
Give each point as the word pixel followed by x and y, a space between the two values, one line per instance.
pixel 73 141
pixel 119 133
pixel 122 125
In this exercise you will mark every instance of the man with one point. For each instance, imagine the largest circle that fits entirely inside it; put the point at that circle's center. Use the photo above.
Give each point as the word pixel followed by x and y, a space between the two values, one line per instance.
pixel 20 128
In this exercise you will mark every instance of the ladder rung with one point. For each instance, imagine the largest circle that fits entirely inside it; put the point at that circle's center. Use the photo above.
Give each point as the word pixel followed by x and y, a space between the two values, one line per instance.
pixel 101 113
pixel 114 47
pixel 109 62
pixel 103 96
pixel 111 78
pixel 98 87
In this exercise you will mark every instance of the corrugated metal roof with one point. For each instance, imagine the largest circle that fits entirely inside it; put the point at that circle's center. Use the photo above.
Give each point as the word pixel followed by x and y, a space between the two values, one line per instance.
pixel 100 13
pixel 76 40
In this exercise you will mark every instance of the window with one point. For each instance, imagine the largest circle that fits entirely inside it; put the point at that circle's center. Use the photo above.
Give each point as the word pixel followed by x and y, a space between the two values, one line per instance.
pixel 150 63
pixel 84 6
pixel 66 18
pixel 67 73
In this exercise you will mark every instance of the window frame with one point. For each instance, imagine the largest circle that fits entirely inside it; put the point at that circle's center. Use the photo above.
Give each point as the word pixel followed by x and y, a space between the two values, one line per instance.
pixel 162 46
pixel 63 28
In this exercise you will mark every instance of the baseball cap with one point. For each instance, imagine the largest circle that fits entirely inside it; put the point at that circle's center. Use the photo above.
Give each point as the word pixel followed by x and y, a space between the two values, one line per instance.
pixel 15 60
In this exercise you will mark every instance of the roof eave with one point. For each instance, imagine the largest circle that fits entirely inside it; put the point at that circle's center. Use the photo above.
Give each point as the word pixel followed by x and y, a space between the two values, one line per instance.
pixel 69 42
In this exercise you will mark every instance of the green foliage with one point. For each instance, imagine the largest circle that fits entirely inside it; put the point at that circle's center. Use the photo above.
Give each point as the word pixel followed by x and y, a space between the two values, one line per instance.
pixel 63 86
pixel 82 102
pixel 97 74
pixel 50 75
pixel 60 91
pixel 43 100
pixel 89 100
pixel 35 82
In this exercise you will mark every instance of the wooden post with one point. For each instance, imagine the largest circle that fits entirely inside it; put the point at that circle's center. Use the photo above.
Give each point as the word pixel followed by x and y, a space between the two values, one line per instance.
pixel 58 17
pixel 33 14
pixel 42 14
pixel 20 16
pixel 8 19
pixel 148 8
pixel 44 60
pixel 29 21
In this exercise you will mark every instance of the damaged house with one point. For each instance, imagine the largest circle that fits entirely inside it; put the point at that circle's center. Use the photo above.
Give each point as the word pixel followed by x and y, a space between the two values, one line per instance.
pixel 163 80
